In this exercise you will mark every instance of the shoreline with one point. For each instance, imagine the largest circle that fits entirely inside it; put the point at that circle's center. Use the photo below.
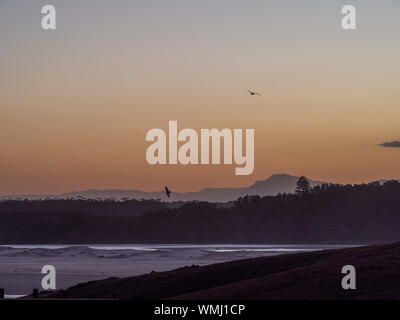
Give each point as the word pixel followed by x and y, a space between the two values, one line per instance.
pixel 299 276
pixel 21 265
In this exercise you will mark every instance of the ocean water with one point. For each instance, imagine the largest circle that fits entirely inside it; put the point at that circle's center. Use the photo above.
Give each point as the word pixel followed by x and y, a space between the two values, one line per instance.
pixel 13 296
pixel 21 265
pixel 208 247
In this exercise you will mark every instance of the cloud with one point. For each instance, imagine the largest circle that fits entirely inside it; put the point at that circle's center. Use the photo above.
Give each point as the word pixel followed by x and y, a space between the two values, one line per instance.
pixel 393 144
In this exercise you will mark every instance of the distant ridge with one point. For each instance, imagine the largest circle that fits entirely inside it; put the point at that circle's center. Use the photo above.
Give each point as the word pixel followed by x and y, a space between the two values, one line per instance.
pixel 277 183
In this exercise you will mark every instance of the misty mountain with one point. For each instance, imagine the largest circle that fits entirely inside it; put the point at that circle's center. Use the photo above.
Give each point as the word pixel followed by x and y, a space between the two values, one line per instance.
pixel 277 183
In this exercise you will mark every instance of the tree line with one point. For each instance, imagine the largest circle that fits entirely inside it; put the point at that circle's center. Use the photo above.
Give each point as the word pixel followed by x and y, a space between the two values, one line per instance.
pixel 329 213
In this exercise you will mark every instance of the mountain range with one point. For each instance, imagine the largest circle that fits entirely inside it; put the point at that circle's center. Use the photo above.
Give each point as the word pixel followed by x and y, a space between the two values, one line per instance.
pixel 277 183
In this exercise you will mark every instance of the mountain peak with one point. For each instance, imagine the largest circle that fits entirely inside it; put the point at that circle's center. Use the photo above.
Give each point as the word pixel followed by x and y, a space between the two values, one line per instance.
pixel 282 176
pixel 278 183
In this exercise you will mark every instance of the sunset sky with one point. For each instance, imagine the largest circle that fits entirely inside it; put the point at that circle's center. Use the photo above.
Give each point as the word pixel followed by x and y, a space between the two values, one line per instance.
pixel 76 102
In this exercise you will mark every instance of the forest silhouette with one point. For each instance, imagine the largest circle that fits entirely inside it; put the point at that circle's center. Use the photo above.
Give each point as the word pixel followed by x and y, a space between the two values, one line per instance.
pixel 329 213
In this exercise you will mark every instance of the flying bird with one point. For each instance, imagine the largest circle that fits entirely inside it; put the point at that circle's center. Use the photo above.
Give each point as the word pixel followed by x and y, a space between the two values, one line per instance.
pixel 167 192
pixel 252 93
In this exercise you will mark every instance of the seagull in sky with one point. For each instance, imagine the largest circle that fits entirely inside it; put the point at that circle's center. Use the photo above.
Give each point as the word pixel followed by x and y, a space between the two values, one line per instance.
pixel 252 93
pixel 167 192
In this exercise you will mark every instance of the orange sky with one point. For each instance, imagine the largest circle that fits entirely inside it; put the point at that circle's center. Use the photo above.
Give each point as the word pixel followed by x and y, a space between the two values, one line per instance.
pixel 76 102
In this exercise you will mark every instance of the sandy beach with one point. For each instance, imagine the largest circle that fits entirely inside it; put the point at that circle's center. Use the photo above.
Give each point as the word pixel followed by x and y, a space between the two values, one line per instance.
pixel 296 276
pixel 20 266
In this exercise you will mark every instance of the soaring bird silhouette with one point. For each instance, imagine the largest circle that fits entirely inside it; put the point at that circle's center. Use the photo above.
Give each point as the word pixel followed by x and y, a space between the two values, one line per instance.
pixel 167 192
pixel 252 93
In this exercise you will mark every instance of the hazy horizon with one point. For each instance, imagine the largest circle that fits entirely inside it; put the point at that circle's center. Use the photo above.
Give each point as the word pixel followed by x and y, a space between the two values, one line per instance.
pixel 77 101
pixel 181 192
